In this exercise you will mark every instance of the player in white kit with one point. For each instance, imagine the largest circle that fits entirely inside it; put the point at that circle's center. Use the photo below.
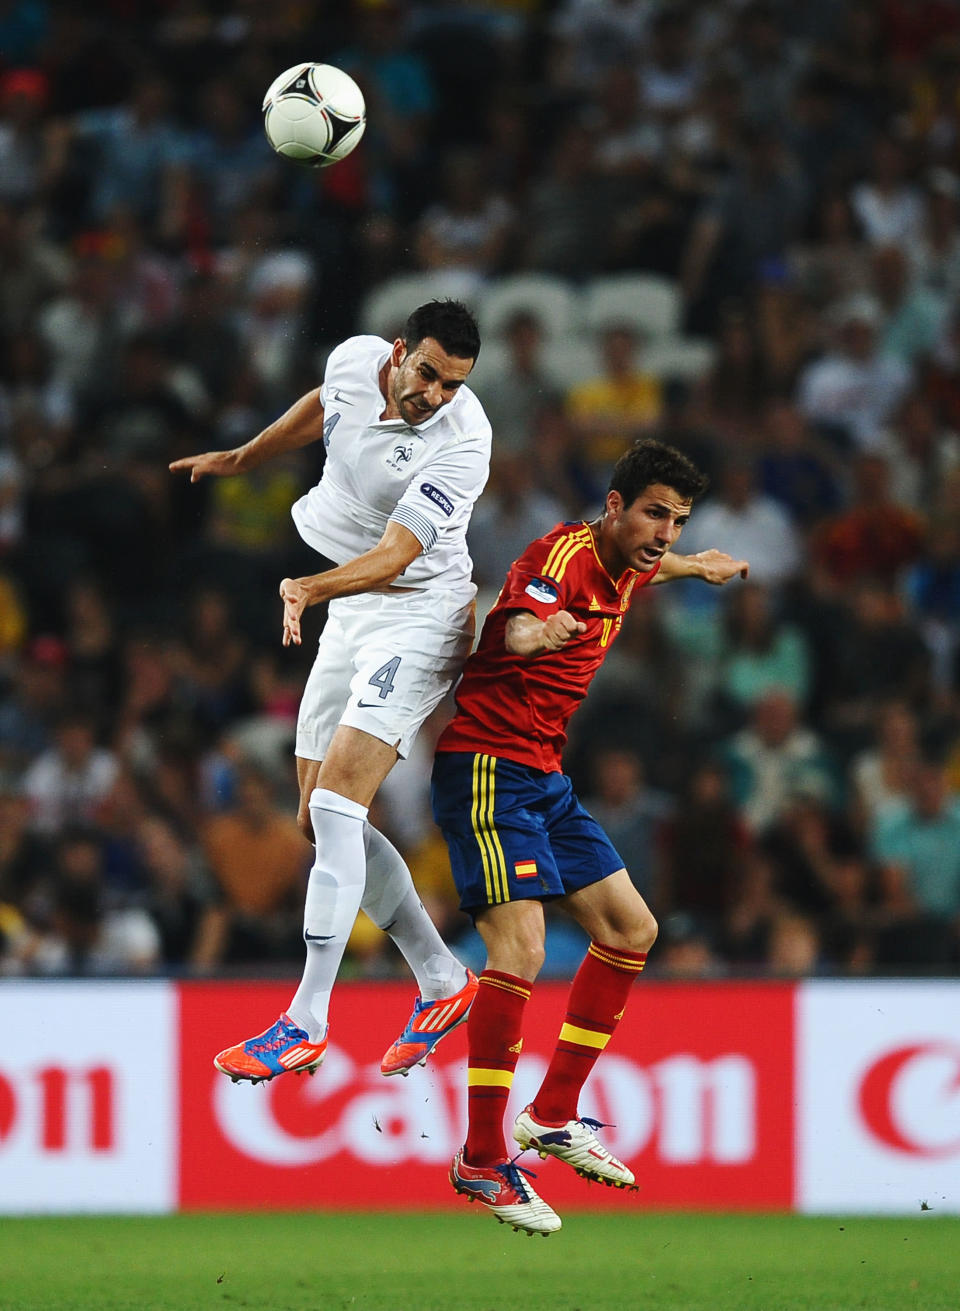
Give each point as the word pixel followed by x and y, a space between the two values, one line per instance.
pixel 407 455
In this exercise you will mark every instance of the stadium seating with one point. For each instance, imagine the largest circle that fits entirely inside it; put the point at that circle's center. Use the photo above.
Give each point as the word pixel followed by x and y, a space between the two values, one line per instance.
pixel 385 309
pixel 551 300
pixel 649 304
pixel 569 315
pixel 684 359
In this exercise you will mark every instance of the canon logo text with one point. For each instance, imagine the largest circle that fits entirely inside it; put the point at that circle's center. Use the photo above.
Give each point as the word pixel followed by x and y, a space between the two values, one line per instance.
pixel 58 1110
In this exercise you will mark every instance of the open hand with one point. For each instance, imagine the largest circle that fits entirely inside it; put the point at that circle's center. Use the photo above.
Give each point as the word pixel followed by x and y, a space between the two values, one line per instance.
pixel 294 597
pixel 219 463
pixel 718 568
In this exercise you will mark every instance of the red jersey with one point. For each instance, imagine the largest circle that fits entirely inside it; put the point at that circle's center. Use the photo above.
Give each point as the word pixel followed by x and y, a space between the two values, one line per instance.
pixel 518 707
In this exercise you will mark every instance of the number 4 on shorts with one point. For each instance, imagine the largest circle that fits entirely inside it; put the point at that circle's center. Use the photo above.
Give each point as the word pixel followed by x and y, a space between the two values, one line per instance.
pixel 383 678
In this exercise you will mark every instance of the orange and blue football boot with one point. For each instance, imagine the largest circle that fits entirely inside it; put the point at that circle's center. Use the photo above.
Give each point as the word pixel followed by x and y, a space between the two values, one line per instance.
pixel 502 1189
pixel 282 1049
pixel 430 1021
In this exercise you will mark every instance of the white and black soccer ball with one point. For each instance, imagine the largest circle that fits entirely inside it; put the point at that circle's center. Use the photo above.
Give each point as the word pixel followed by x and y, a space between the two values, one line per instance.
pixel 314 114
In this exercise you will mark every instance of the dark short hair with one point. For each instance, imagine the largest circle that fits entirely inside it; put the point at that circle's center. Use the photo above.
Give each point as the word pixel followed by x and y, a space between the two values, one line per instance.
pixel 648 462
pixel 449 323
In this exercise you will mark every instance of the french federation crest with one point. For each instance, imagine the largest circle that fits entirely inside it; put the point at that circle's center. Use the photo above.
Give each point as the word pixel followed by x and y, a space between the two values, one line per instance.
pixel 401 454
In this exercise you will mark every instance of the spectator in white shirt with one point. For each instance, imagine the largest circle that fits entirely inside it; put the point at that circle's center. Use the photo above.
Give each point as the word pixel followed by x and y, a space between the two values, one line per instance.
pixel 852 390
pixel 747 524
pixel 934 252
pixel 66 784
pixel 890 210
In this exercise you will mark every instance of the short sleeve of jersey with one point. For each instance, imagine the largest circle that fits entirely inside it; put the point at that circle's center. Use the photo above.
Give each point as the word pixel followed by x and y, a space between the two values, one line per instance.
pixel 439 500
pixel 343 362
pixel 529 588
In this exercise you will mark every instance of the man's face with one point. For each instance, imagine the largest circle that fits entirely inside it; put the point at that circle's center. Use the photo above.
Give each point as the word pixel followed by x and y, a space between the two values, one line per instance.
pixel 642 531
pixel 857 339
pixel 929 791
pixel 774 718
pixel 426 377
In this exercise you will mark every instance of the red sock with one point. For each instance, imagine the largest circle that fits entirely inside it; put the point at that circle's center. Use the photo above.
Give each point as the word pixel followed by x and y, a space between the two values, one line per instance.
pixel 594 1009
pixel 494 1042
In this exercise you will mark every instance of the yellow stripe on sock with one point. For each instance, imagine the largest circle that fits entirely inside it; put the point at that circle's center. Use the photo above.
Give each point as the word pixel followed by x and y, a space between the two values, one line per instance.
pixel 584 1037
pixel 504 986
pixel 629 964
pixel 479 1078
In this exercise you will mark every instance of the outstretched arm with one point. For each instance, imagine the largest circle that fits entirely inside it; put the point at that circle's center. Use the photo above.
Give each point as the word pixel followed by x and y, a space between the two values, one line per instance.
pixel 299 426
pixel 376 568
pixel 714 567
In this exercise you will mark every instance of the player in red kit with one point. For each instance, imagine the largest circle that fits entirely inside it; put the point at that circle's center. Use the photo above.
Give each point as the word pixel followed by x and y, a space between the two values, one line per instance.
pixel 518 836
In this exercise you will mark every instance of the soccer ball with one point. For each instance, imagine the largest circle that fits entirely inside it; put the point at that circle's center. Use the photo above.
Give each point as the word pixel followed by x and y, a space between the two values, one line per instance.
pixel 314 114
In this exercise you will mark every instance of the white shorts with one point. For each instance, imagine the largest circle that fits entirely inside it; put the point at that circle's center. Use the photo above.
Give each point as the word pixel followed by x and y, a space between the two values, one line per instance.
pixel 384 662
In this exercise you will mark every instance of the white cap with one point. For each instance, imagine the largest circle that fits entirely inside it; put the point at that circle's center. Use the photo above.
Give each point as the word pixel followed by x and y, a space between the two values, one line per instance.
pixel 281 270
pixel 859 308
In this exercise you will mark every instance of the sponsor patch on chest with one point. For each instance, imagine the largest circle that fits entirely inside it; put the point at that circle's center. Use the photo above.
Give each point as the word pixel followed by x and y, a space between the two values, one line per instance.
pixel 434 494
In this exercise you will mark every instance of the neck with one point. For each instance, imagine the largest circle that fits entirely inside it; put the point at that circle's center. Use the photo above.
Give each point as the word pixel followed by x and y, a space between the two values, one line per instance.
pixel 385 381
pixel 608 556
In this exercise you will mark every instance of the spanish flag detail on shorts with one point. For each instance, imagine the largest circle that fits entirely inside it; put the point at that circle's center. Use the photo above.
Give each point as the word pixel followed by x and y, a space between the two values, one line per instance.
pixel 525 869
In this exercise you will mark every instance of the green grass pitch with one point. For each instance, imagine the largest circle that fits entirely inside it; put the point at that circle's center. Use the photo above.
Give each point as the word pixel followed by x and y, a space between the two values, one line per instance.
pixel 467 1262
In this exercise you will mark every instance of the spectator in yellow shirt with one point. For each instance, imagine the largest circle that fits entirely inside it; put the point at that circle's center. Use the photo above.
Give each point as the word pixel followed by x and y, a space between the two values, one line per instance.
pixel 609 412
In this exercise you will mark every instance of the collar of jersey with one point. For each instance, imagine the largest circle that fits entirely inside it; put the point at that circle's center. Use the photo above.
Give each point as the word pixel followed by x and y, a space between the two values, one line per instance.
pixel 419 427
pixel 443 411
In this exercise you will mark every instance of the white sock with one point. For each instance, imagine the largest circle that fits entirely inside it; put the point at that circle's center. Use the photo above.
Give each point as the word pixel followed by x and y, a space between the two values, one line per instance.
pixel 392 902
pixel 334 890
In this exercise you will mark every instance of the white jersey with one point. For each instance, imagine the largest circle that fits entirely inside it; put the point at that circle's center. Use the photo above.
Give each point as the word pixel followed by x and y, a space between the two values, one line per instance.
pixel 426 477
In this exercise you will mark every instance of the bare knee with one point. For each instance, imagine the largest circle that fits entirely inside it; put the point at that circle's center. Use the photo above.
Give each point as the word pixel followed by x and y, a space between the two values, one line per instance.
pixel 646 932
pixel 638 934
pixel 514 942
pixel 304 822
pixel 307 771
pixel 522 957
pixel 613 913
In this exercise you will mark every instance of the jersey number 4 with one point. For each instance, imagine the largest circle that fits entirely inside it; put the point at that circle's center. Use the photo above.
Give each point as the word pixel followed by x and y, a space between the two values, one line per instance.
pixel 383 678
pixel 329 423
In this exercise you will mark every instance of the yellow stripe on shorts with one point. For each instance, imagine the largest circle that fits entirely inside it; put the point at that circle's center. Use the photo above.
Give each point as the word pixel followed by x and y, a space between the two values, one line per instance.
pixel 481 818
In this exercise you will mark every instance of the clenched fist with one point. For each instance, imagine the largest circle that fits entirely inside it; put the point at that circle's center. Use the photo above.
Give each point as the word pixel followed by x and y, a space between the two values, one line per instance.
pixel 559 628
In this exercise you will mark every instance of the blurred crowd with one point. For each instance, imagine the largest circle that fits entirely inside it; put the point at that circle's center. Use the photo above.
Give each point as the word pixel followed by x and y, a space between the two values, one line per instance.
pixel 779 762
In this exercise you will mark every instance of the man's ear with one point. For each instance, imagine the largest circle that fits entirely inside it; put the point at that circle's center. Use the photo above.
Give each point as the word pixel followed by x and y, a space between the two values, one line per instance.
pixel 399 351
pixel 614 504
